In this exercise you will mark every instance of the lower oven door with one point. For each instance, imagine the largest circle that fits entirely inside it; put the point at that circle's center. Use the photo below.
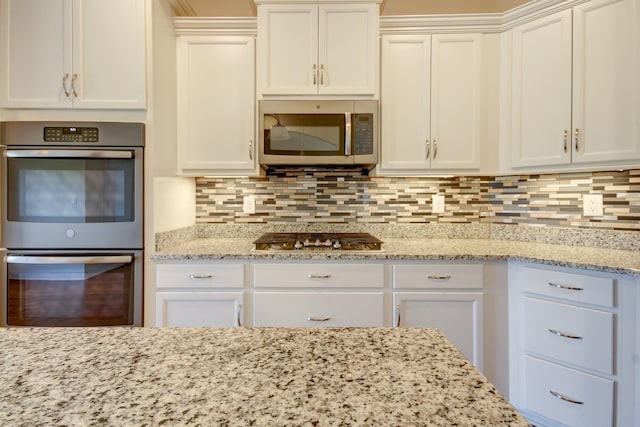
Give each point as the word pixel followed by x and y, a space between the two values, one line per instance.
pixel 67 288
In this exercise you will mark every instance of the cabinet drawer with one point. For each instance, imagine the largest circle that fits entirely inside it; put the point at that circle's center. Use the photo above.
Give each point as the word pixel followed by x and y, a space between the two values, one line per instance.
pixel 576 335
pixel 572 286
pixel 589 397
pixel 432 276
pixel 318 309
pixel 199 309
pixel 199 275
pixel 319 275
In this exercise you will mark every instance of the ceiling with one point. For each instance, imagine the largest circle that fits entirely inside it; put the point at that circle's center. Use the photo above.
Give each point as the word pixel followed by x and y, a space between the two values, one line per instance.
pixel 246 8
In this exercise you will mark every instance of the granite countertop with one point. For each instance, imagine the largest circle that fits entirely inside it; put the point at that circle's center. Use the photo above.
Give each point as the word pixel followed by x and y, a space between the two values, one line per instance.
pixel 243 376
pixel 591 258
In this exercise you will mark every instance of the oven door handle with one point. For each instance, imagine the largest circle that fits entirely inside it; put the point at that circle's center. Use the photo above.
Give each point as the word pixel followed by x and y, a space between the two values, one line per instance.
pixel 100 259
pixel 91 154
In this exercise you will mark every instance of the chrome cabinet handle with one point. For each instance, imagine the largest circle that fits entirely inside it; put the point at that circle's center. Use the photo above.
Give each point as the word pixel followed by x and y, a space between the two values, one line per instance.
pixel 565 335
pixel 251 149
pixel 442 277
pixel 428 149
pixel 435 148
pixel 565 137
pixel 64 84
pixel 347 134
pixel 315 75
pixel 565 398
pixel 200 276
pixel 397 315
pixel 239 315
pixel 321 74
pixel 318 276
pixel 566 287
pixel 73 85
pixel 577 139
pixel 318 319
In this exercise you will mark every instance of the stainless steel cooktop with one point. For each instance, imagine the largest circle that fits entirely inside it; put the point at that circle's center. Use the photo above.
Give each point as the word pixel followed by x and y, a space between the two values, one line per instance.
pixel 317 241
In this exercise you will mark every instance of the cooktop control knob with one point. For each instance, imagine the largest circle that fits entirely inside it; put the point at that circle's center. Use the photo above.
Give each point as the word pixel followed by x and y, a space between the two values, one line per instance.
pixel 298 244
pixel 306 242
pixel 327 243
pixel 317 243
pixel 336 244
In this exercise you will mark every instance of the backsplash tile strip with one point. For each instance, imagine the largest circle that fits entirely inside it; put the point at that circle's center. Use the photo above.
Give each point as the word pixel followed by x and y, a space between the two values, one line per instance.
pixel 307 196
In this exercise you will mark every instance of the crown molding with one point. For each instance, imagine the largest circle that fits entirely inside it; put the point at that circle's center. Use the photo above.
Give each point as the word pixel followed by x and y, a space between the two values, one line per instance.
pixel 408 24
pixel 215 26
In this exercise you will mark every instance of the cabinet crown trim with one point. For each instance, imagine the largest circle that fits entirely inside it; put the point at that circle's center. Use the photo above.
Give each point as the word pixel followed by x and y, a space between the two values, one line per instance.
pixel 215 26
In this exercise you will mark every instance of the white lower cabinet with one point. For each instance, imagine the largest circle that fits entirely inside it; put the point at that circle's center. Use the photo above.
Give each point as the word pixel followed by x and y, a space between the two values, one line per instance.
pixel 318 294
pixel 319 309
pixel 199 294
pixel 568 331
pixel 447 296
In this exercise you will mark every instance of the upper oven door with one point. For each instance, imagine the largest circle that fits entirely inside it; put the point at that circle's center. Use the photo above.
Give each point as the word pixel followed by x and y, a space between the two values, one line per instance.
pixel 72 198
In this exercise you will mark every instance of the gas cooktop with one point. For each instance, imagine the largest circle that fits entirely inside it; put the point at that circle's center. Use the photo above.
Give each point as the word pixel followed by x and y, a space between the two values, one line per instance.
pixel 318 241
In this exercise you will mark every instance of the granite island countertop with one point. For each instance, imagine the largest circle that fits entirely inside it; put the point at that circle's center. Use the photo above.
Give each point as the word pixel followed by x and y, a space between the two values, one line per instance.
pixel 243 376
pixel 585 257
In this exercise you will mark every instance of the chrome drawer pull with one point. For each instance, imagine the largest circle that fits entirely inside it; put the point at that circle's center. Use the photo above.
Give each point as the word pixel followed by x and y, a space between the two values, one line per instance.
pixel 567 287
pixel 565 398
pixel 319 276
pixel 200 276
pixel 564 335
pixel 318 319
pixel 434 277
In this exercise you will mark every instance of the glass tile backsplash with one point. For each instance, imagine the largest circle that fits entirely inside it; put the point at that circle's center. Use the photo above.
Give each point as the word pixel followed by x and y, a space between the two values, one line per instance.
pixel 306 195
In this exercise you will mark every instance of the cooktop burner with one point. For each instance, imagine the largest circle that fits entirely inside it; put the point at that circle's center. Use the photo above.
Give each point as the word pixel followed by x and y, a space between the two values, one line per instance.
pixel 318 241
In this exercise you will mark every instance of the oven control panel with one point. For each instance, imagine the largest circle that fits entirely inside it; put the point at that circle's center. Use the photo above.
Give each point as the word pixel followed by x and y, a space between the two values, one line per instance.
pixel 70 134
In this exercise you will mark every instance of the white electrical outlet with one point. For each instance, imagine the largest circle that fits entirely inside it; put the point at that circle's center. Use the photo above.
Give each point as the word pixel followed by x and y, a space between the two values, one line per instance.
pixel 437 202
pixel 592 205
pixel 249 204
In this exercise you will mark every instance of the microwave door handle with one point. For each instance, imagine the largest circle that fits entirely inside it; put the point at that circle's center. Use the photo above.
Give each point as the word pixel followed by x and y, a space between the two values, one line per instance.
pixel 106 259
pixel 347 134
pixel 83 154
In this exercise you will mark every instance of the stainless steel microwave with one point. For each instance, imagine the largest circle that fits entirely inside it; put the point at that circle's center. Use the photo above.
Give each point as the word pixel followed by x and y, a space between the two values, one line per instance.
pixel 318 132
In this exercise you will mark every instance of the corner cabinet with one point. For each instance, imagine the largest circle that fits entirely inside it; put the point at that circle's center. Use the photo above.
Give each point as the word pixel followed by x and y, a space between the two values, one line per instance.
pixel 316 48
pixel 430 103
pixel 576 87
pixel 216 99
pixel 87 54
pixel 573 353
pixel 198 294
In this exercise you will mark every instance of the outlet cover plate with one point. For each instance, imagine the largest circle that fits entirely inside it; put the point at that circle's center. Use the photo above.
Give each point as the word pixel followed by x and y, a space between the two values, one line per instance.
pixel 437 202
pixel 592 205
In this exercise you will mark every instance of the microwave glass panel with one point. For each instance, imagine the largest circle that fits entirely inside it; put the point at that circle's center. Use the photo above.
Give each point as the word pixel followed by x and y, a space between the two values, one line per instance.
pixel 306 135
pixel 65 190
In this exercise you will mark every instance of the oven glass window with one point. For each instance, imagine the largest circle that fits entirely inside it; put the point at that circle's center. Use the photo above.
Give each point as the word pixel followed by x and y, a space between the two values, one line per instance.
pixel 304 134
pixel 70 294
pixel 61 190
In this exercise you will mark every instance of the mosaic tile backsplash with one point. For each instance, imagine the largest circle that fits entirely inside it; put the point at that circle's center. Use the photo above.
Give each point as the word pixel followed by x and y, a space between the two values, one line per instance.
pixel 346 196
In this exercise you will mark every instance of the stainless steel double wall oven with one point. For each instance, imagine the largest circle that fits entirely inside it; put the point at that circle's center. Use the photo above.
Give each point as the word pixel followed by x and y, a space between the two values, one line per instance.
pixel 72 223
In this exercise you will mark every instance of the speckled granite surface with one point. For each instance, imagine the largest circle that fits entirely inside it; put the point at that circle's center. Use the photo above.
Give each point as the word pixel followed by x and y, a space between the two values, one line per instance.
pixel 238 377
pixel 590 258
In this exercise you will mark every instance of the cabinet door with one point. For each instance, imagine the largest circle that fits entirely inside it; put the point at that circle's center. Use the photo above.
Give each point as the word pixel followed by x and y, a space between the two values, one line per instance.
pixel 457 314
pixel 541 96
pixel 606 82
pixel 216 129
pixel 312 309
pixel 347 49
pixel 36 55
pixel 288 49
pixel 455 101
pixel 196 309
pixel 405 108
pixel 109 53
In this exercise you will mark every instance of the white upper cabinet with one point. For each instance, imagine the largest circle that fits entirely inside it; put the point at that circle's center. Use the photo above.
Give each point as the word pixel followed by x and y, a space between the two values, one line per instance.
pixel 430 103
pixel 216 98
pixel 575 87
pixel 318 49
pixel 73 54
